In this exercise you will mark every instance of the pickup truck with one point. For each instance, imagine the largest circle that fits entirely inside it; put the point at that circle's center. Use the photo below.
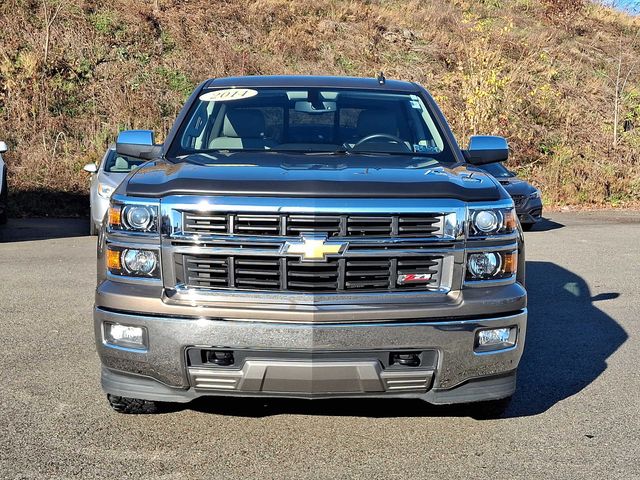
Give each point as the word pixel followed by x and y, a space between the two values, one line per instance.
pixel 310 237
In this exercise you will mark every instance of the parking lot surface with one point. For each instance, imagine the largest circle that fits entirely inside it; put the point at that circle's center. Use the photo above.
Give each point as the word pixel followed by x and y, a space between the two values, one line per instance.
pixel 576 413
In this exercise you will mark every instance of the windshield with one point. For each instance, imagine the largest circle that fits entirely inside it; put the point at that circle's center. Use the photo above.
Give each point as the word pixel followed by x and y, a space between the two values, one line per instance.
pixel 497 170
pixel 115 163
pixel 310 120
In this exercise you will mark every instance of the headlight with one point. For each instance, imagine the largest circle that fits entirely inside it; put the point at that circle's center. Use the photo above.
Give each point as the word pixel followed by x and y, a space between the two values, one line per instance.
pixel 495 221
pixel 134 218
pixel 138 217
pixel 491 265
pixel 535 194
pixel 483 265
pixel 105 190
pixel 133 262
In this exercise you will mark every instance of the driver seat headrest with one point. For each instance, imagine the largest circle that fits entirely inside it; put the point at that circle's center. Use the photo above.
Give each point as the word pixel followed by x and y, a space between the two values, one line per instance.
pixel 245 123
pixel 377 121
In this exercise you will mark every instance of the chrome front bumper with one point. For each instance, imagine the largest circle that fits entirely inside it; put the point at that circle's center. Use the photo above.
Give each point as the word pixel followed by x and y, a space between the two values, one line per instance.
pixel 311 360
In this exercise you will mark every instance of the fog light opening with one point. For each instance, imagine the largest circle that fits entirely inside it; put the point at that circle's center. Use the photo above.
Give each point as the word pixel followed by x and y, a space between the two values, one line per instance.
pixel 492 339
pixel 125 336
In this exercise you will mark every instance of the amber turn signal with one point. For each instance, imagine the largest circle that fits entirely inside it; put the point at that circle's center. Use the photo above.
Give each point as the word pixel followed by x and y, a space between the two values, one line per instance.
pixel 113 260
pixel 115 216
pixel 510 263
pixel 510 220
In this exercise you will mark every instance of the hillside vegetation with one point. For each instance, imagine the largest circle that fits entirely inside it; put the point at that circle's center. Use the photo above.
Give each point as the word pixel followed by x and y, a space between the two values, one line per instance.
pixel 560 79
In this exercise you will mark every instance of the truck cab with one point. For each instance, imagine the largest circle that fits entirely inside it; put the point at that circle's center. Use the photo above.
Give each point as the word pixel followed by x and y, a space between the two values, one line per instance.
pixel 310 237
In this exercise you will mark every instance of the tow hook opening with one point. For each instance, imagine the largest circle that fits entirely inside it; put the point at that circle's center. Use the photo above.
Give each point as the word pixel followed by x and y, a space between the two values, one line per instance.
pixel 220 357
pixel 406 359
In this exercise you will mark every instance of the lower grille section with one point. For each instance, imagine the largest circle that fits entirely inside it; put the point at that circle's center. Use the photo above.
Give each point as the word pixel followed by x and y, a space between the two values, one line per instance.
pixel 311 378
pixel 291 274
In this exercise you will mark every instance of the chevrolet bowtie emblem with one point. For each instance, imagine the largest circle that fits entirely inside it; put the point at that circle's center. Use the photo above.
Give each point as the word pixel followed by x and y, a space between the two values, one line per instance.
pixel 314 248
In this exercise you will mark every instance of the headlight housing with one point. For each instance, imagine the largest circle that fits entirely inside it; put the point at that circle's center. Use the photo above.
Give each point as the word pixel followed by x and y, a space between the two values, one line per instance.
pixel 134 217
pixel 496 265
pixel 105 191
pixel 492 221
pixel 133 262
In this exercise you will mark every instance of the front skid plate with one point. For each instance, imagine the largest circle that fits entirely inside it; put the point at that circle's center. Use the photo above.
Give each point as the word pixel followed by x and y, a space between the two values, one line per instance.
pixel 308 377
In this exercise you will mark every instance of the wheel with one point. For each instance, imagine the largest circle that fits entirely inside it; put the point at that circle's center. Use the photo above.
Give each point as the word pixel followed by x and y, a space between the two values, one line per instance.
pixel 133 406
pixel 527 226
pixel 490 409
pixel 93 230
pixel 4 201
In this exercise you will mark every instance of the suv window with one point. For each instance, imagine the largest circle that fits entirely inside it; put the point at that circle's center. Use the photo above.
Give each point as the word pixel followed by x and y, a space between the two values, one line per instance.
pixel 115 163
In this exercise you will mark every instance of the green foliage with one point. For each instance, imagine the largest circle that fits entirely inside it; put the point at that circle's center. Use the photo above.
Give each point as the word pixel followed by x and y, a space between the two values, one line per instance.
pixel 176 81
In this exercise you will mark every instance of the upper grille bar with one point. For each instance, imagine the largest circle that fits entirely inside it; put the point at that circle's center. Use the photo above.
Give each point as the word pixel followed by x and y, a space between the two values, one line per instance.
pixel 424 225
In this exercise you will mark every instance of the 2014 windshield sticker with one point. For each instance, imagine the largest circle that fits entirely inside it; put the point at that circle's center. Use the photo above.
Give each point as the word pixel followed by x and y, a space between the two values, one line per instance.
pixel 228 94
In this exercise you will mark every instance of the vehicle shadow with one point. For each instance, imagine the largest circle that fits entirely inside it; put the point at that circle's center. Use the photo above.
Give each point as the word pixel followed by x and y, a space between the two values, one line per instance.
pixel 546 224
pixel 43 214
pixel 568 342
pixel 569 339
pixel 26 229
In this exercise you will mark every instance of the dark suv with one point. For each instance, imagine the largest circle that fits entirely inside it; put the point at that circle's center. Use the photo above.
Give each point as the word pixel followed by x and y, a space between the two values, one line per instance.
pixel 310 237
pixel 526 197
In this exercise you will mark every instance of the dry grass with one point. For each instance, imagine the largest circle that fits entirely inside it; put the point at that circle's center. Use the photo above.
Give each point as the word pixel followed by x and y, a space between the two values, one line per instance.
pixel 517 68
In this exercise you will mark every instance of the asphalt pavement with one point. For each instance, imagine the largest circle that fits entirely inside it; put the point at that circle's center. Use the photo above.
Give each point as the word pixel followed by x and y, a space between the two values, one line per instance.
pixel 576 413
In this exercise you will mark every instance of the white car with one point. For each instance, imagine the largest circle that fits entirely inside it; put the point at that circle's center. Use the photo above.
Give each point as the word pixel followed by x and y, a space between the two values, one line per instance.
pixel 105 178
pixel 4 189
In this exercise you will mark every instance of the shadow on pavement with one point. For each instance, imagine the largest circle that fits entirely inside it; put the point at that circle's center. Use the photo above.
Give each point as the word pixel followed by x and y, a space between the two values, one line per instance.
pixel 568 339
pixel 568 342
pixel 546 224
pixel 26 229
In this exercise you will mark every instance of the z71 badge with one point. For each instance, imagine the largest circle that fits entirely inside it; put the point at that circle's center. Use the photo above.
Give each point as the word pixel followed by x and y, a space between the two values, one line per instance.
pixel 414 278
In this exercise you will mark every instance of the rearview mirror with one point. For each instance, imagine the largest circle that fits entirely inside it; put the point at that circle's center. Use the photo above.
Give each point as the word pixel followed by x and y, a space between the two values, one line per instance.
pixel 138 144
pixel 90 167
pixel 485 149
pixel 3 147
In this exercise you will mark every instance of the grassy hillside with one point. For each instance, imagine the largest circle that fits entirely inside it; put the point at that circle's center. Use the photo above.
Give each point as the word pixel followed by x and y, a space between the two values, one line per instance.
pixel 548 75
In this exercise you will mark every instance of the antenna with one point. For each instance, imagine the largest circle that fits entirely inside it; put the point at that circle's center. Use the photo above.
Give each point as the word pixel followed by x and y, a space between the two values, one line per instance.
pixel 381 78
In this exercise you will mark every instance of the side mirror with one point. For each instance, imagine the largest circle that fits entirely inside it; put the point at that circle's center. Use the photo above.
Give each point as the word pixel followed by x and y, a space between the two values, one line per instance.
pixel 90 167
pixel 485 149
pixel 3 147
pixel 138 144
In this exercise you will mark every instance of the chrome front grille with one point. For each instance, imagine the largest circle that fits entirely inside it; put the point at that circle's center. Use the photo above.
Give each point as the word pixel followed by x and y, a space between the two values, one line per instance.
pixel 290 274
pixel 220 249
pixel 410 225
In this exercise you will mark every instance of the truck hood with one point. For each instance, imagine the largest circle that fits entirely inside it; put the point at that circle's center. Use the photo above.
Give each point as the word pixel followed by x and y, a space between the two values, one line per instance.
pixel 310 175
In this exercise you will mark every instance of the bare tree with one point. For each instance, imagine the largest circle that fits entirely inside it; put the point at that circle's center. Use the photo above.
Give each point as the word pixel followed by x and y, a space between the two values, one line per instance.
pixel 50 14
pixel 627 62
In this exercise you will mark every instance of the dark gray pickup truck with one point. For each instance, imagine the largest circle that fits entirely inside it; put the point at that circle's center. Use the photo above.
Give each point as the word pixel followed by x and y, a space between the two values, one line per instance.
pixel 310 237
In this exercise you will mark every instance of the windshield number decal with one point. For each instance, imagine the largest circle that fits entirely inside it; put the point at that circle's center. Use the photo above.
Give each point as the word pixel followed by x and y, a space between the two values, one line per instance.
pixel 228 95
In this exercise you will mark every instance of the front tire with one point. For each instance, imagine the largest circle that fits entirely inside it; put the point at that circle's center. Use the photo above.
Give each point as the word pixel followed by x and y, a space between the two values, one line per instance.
pixel 527 227
pixel 134 406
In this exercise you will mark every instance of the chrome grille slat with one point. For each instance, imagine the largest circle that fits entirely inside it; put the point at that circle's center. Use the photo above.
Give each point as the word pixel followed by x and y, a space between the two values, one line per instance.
pixel 357 226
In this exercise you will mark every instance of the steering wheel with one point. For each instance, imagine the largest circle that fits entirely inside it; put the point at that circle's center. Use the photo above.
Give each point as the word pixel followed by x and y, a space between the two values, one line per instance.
pixel 384 136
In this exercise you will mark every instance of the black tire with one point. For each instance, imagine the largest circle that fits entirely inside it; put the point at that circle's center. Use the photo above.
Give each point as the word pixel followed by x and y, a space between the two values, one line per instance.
pixel 490 410
pixel 527 226
pixel 133 406
pixel 4 201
